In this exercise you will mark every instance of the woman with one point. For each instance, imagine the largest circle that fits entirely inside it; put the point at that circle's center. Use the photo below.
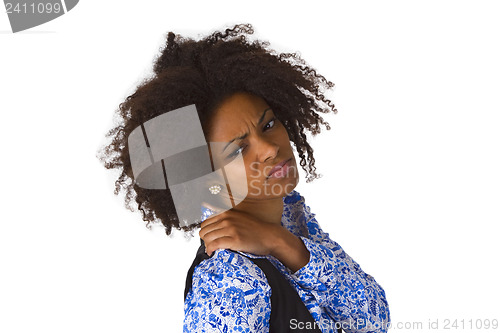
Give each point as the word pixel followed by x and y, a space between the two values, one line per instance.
pixel 266 253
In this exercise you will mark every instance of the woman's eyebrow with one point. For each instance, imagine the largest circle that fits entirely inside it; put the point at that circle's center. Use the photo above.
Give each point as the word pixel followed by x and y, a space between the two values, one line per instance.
pixel 263 115
pixel 246 134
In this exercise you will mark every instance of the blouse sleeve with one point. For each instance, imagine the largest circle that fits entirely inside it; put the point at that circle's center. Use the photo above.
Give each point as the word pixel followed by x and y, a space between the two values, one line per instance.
pixel 225 297
pixel 350 296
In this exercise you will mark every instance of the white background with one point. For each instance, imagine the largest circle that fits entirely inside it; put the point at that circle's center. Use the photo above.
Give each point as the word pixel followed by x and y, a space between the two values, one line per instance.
pixel 410 185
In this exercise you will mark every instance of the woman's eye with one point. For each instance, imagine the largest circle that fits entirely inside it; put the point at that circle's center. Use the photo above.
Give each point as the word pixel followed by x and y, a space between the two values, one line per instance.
pixel 236 152
pixel 270 124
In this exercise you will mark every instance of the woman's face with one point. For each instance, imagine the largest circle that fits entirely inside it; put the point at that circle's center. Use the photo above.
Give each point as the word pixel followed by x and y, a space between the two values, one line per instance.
pixel 256 135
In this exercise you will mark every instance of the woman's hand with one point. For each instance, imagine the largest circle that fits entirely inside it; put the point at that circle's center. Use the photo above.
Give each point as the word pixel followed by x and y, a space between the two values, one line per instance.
pixel 239 231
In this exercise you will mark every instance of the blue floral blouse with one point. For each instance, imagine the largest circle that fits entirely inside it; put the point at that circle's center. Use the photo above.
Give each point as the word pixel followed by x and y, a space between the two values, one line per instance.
pixel 230 293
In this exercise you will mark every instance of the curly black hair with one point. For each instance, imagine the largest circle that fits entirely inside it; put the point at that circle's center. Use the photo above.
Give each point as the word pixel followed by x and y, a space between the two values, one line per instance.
pixel 204 72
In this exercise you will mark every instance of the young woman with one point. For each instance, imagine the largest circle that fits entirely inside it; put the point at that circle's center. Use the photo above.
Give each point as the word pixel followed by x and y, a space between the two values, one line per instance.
pixel 264 265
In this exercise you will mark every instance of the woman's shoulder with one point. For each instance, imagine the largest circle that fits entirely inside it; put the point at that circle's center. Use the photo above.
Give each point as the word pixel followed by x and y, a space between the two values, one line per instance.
pixel 229 293
pixel 226 269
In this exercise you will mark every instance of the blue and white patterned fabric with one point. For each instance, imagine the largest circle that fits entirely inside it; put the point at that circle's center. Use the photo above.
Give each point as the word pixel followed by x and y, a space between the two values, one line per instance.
pixel 231 294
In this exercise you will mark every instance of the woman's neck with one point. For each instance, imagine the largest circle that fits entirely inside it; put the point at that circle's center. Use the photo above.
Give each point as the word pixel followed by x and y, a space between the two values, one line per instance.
pixel 268 210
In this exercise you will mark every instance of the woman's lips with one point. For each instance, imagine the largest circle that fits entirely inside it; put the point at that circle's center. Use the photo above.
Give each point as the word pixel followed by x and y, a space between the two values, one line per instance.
pixel 280 170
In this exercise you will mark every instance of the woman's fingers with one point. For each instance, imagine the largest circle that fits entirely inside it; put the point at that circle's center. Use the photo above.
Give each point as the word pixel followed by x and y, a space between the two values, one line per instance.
pixel 214 219
pixel 214 234
pixel 208 226
pixel 223 242
pixel 218 234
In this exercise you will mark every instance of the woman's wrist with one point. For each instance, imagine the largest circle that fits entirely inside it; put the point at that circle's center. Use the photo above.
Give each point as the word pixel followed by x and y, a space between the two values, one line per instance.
pixel 289 250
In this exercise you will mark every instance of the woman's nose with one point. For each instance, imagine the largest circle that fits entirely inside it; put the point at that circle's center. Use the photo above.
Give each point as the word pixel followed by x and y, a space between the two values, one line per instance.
pixel 267 149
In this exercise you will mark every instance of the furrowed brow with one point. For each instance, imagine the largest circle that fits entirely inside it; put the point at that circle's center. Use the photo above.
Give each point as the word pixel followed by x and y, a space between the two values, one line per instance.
pixel 261 119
